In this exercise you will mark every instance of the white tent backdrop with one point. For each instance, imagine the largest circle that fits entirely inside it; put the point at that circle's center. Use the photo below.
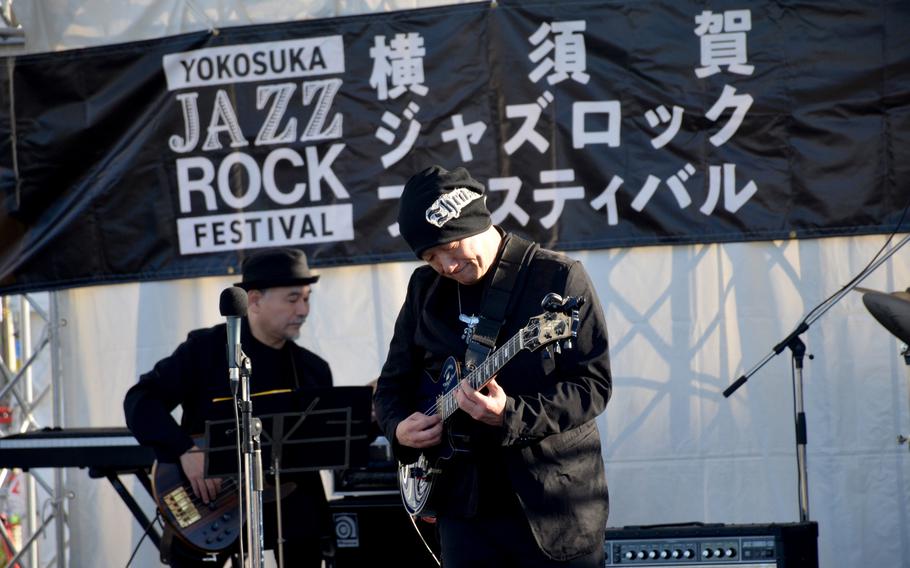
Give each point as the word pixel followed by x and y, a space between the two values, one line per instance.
pixel 684 322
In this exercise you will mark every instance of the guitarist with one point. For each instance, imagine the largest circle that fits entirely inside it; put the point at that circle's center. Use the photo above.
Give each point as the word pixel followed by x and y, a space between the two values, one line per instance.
pixel 195 377
pixel 530 490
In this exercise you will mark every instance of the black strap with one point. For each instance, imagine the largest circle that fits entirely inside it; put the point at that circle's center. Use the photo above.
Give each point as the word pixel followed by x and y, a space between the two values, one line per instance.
pixel 167 541
pixel 509 276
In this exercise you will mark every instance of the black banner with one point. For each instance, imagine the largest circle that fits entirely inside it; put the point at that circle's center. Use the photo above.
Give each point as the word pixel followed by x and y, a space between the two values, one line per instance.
pixel 594 124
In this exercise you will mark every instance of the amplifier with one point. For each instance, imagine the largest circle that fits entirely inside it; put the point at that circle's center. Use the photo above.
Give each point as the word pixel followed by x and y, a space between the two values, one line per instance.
pixel 787 545
pixel 376 530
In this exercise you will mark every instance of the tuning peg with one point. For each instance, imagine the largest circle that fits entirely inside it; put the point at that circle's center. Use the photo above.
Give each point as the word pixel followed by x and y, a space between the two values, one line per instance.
pixel 547 353
pixel 568 344
pixel 558 348
pixel 552 302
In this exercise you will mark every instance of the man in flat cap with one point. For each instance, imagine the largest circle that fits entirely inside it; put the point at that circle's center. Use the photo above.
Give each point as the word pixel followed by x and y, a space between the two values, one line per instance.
pixel 515 474
pixel 195 377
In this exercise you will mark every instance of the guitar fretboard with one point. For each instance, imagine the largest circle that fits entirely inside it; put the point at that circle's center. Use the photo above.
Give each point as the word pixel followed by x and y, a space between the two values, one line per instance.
pixel 482 374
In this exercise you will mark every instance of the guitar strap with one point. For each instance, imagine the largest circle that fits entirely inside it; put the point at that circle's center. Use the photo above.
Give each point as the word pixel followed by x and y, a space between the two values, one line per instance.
pixel 167 541
pixel 510 274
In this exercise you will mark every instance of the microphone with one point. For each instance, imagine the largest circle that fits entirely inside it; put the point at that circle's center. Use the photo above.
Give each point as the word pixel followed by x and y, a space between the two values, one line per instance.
pixel 233 305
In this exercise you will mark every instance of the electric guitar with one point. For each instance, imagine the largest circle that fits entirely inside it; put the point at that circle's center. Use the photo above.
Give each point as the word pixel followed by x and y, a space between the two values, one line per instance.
pixel 210 527
pixel 557 325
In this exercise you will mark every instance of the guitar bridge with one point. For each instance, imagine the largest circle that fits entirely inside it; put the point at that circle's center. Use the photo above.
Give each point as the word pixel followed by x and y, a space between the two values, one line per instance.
pixel 181 505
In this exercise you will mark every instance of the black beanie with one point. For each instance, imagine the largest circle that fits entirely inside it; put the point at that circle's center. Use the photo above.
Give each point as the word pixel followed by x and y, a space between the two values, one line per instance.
pixel 438 206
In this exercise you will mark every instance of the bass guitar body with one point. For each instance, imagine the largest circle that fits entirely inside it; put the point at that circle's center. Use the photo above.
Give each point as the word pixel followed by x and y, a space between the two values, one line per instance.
pixel 208 527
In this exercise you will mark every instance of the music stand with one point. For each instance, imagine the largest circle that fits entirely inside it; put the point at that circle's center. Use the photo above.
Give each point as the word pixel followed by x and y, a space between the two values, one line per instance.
pixel 303 430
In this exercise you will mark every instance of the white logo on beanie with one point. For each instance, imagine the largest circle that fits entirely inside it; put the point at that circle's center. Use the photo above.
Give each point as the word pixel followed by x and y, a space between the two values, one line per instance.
pixel 449 206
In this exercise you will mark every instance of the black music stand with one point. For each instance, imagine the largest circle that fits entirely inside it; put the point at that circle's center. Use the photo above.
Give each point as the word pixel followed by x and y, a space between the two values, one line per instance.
pixel 303 430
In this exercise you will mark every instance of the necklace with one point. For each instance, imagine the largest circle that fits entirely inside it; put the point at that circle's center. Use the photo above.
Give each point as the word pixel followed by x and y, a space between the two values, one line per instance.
pixel 469 321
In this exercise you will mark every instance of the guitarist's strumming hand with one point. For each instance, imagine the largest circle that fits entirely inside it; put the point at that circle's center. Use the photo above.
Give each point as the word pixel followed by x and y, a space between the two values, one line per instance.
pixel 419 431
pixel 487 408
pixel 193 463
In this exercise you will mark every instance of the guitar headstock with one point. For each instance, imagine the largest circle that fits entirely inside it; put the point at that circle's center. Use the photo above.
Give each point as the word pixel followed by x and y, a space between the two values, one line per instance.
pixel 559 324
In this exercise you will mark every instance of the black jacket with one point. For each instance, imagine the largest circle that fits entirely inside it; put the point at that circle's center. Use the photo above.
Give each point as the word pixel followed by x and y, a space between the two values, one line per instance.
pixel 195 377
pixel 549 451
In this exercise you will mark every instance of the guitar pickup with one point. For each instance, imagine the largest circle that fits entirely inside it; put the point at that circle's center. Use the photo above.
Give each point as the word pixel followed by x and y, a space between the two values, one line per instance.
pixel 420 473
pixel 462 439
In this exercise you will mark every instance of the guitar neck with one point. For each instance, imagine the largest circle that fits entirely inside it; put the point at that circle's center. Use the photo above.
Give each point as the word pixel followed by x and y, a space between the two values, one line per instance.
pixel 483 373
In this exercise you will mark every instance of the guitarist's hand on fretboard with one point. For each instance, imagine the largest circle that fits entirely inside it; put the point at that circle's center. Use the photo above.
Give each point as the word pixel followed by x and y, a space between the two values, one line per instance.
pixel 193 464
pixel 416 479
pixel 419 431
pixel 487 408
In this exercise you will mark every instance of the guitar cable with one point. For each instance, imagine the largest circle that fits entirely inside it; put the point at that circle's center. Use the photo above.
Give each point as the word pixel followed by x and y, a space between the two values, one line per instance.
pixel 157 519
pixel 424 541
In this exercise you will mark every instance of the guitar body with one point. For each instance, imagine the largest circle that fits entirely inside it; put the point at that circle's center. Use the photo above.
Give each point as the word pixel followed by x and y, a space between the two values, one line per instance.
pixel 557 326
pixel 210 528
pixel 416 479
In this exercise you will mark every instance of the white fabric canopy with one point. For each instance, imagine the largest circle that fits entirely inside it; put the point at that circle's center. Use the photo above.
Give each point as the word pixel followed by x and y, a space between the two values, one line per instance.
pixel 684 322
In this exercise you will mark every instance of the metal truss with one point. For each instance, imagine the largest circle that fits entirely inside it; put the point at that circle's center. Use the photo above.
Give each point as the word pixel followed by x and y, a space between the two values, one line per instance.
pixel 31 403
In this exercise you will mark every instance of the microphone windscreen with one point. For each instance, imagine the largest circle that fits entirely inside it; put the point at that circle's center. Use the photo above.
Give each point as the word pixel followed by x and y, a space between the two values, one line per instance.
pixel 233 302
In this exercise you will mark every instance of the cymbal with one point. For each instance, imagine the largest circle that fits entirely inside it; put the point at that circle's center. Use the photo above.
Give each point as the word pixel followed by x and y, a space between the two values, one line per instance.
pixel 892 310
pixel 863 290
pixel 905 295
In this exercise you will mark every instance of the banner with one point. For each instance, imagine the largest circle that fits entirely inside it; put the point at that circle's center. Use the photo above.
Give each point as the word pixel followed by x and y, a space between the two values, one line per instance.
pixel 593 125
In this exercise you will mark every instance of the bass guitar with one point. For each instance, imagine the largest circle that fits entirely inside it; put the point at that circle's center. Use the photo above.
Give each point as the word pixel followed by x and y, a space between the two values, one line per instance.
pixel 557 325
pixel 210 527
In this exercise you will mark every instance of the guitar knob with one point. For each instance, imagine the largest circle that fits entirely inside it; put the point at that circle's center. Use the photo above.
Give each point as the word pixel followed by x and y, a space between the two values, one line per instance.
pixel 226 517
pixel 215 526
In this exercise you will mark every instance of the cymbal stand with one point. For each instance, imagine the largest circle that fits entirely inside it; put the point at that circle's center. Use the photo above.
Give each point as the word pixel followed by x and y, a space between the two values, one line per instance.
pixel 905 353
pixel 798 350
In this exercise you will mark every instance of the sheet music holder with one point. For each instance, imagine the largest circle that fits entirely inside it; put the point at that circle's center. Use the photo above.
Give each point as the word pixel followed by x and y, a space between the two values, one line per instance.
pixel 307 429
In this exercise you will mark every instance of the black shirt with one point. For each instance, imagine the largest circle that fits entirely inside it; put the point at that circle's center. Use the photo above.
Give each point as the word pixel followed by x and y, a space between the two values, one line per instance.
pixel 547 453
pixel 195 377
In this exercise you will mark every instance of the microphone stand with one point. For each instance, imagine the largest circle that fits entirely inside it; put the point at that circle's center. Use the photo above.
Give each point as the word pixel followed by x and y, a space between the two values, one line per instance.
pixel 250 429
pixel 798 350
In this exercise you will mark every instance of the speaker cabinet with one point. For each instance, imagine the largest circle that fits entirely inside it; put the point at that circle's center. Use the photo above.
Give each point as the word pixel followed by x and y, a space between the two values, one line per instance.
pixel 376 529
